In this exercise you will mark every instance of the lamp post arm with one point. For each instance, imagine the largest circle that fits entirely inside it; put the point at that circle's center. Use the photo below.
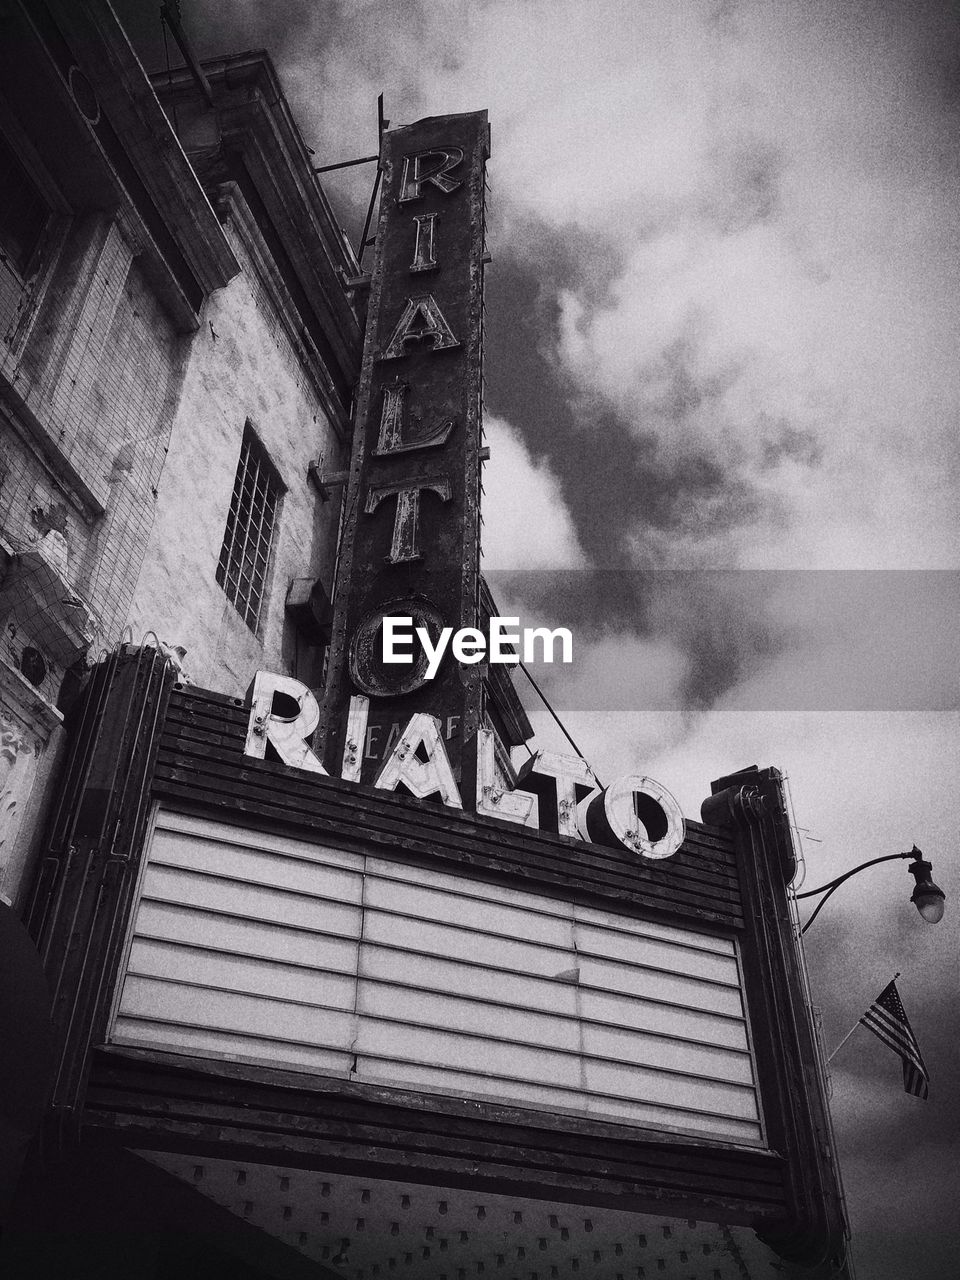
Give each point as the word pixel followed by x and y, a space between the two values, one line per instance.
pixel 832 885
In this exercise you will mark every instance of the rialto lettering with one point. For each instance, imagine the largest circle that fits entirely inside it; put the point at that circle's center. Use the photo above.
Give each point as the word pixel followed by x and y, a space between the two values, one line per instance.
pixel 554 792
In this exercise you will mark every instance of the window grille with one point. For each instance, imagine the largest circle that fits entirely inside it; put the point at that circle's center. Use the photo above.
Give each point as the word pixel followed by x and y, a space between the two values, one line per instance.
pixel 248 538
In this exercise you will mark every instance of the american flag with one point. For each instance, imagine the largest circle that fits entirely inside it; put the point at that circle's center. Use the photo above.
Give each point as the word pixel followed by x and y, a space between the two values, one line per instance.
pixel 886 1019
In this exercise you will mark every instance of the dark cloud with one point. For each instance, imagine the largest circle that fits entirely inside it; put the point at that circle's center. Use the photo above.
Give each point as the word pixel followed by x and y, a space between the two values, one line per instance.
pixel 675 391
pixel 783 441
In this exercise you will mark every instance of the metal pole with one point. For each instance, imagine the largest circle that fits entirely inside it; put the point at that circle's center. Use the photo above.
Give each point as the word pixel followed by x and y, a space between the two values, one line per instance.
pixel 382 123
pixel 843 1041
pixel 563 727
pixel 344 164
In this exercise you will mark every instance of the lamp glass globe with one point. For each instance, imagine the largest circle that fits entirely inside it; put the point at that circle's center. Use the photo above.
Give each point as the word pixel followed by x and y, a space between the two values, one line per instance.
pixel 930 906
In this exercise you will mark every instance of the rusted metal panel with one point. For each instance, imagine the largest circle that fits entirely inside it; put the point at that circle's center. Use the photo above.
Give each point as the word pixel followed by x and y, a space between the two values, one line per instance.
pixel 410 542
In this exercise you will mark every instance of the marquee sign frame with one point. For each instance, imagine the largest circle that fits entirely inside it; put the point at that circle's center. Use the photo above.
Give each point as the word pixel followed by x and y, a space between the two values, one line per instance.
pixel 138 740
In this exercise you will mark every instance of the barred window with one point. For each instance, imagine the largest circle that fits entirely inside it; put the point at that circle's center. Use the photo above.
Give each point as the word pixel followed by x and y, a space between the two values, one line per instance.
pixel 248 538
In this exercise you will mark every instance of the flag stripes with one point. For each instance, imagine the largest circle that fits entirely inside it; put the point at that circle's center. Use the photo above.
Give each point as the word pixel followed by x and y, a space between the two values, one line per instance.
pixel 888 1021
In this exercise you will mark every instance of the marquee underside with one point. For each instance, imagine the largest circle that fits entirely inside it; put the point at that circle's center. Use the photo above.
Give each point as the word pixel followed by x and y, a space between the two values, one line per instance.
pixel 361 1228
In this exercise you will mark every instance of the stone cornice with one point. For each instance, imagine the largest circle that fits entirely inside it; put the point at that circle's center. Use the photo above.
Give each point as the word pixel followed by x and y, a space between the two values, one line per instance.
pixel 250 136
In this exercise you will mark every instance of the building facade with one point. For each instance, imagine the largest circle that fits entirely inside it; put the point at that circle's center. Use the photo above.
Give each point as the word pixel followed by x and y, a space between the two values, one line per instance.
pixel 175 327
pixel 332 990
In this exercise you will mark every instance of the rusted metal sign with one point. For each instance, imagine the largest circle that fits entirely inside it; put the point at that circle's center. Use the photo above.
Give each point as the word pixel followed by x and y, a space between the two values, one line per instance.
pixel 410 541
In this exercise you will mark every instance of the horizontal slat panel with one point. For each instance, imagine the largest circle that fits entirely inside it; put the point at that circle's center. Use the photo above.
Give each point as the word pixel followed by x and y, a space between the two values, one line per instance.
pixel 673 1055
pixel 273 842
pixel 501 1022
pixel 653 953
pixel 629 1110
pixel 446 1050
pixel 460 911
pixel 229 1011
pixel 494 1021
pixel 631 891
pixel 560 998
pixel 461 944
pixel 423 938
pixel 653 1086
pixel 242 973
pixel 313 876
pixel 472 905
pixel 691 992
pixel 443 1051
pixel 243 943
pixel 203 1041
pixel 646 1015
pixel 442 974
pixel 653 929
pixel 257 902
pixel 245 937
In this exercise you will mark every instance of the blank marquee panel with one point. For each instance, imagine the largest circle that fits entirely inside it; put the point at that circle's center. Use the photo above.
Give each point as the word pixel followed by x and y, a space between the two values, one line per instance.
pixel 266 949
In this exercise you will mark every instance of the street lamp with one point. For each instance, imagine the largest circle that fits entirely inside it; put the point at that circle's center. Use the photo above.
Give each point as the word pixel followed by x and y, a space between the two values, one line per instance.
pixel 927 897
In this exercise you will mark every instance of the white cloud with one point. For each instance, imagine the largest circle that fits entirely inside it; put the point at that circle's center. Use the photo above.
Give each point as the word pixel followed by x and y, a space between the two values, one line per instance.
pixel 525 522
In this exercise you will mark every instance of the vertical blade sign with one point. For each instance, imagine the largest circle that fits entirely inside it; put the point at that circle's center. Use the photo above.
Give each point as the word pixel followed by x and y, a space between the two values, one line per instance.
pixel 410 541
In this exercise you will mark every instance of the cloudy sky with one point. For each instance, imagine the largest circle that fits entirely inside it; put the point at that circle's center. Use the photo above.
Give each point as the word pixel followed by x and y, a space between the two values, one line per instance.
pixel 723 325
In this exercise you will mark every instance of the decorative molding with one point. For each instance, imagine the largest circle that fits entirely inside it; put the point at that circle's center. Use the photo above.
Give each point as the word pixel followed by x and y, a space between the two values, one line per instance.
pixel 750 805
pixel 19 699
pixel 26 721
pixel 258 142
pixel 37 588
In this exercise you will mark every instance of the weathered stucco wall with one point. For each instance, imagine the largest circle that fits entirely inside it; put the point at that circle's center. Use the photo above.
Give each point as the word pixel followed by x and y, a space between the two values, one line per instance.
pixel 100 376
pixel 242 365
pixel 87 402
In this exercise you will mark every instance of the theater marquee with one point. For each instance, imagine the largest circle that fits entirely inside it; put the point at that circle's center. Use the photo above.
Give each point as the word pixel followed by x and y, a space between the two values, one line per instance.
pixel 287 967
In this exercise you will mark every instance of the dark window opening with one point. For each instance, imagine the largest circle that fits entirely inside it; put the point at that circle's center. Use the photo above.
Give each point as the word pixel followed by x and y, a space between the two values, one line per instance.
pixel 23 213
